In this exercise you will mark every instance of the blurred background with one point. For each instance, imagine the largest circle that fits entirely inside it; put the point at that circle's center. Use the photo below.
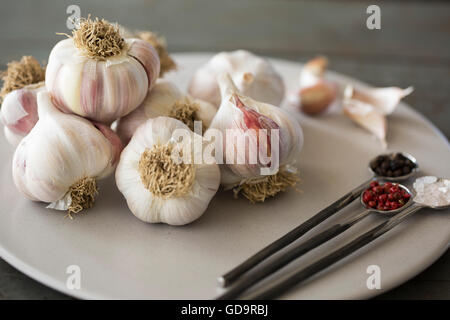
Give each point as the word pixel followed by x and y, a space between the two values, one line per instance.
pixel 412 48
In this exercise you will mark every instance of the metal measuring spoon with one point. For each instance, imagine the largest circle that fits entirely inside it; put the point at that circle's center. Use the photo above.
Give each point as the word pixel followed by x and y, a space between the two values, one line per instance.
pixel 231 276
pixel 304 247
pixel 294 278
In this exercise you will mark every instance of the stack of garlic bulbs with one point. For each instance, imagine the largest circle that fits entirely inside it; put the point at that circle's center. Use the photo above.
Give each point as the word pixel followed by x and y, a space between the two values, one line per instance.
pixel 59 118
pixel 61 125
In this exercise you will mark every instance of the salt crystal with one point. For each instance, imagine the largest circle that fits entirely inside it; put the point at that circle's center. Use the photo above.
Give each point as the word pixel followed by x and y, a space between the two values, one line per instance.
pixel 431 192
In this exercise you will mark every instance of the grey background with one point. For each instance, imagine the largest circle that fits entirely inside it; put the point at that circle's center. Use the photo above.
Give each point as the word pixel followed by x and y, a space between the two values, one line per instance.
pixel 412 48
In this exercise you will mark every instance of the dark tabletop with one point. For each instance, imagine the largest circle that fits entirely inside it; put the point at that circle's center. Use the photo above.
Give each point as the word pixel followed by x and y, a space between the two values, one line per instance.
pixel 412 48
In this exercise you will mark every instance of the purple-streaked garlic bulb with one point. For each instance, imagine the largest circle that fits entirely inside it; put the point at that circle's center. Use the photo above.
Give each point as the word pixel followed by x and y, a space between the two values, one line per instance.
pixel 63 156
pixel 261 144
pixel 99 75
pixel 21 82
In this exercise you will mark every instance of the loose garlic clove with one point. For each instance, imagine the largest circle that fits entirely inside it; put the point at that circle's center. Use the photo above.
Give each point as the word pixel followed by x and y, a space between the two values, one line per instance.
pixel 316 99
pixel 156 187
pixel 21 82
pixel 315 93
pixel 365 115
pixel 165 99
pixel 384 100
pixel 61 158
pixel 99 75
pixel 253 76
pixel 246 125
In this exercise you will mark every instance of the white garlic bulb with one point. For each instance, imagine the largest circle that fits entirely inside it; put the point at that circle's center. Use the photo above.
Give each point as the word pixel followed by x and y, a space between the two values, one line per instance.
pixel 157 188
pixel 253 76
pixel 257 124
pixel 61 158
pixel 165 99
pixel 21 82
pixel 99 75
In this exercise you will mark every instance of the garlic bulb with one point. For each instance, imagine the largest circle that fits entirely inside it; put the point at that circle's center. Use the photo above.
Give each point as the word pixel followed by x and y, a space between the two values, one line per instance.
pixel 61 158
pixel 369 107
pixel 165 99
pixel 315 93
pixel 99 75
pixel 264 130
pixel 252 75
pixel 22 81
pixel 156 187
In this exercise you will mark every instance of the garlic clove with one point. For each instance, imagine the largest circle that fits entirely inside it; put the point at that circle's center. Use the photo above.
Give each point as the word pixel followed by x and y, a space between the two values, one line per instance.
pixel 365 115
pixel 317 98
pixel 99 75
pixel 62 157
pixel 165 99
pixel 156 189
pixel 315 93
pixel 253 75
pixel 254 122
pixel 384 100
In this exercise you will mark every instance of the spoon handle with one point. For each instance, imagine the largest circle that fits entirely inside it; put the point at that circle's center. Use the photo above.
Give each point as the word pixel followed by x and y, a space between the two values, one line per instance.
pixel 296 277
pixel 291 254
pixel 291 236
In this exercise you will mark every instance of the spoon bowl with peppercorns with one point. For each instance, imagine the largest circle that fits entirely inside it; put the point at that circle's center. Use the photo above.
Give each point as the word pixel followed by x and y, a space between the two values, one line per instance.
pixel 386 198
pixel 395 166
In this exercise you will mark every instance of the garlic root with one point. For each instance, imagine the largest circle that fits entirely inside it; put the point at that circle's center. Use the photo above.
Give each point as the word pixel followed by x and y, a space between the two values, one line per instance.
pixel 82 193
pixel 260 189
pixel 20 74
pixel 162 176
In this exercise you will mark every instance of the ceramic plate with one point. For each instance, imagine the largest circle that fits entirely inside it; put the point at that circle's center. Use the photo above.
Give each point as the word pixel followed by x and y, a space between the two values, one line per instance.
pixel 122 257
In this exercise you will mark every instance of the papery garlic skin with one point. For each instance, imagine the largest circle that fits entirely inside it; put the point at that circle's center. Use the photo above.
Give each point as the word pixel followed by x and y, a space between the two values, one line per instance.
pixel 256 115
pixel 141 201
pixel 253 76
pixel 101 90
pixel 159 102
pixel 19 112
pixel 59 151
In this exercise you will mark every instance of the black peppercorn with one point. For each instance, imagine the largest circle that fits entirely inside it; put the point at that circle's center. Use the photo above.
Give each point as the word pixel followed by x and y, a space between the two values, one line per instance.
pixel 392 165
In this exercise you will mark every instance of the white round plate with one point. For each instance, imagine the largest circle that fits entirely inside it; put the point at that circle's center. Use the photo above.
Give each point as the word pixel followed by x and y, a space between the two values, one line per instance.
pixel 121 257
